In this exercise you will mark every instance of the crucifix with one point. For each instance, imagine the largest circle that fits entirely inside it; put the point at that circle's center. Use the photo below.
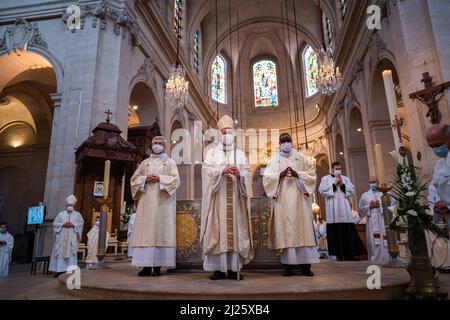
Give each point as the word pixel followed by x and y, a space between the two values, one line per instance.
pixel 397 125
pixel 108 113
pixel 431 96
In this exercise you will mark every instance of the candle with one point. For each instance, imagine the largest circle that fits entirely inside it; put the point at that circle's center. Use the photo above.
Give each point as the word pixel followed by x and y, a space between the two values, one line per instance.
pixel 106 178
pixel 380 164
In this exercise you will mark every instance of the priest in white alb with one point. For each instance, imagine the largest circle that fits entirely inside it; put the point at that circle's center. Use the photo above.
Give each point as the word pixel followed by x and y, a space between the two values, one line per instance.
pixel 289 180
pixel 92 244
pixel 154 185
pixel 68 228
pixel 226 232
pixel 371 207
pixel 343 240
pixel 438 138
pixel 6 248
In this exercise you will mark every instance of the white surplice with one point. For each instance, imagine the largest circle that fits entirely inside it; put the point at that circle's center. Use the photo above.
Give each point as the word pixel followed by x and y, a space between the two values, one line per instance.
pixel 338 208
pixel 5 253
pixel 66 241
pixel 377 247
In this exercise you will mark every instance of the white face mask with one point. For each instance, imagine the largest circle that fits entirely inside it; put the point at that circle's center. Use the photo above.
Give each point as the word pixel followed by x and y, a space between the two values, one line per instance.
pixel 69 208
pixel 286 147
pixel 228 139
pixel 157 148
pixel 97 223
pixel 337 173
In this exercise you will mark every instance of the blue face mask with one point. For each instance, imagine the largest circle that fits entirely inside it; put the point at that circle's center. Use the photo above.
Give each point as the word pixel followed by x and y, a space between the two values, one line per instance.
pixel 441 151
pixel 2 230
pixel 373 186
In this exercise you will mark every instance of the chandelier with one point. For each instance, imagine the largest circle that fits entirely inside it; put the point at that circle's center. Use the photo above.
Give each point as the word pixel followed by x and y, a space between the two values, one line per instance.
pixel 177 87
pixel 328 77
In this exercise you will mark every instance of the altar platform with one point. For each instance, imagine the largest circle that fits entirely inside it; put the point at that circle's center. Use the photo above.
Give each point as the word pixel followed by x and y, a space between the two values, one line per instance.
pixel 333 280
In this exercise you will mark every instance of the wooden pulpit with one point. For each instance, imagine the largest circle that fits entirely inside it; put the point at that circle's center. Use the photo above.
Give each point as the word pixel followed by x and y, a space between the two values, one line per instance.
pixel 105 144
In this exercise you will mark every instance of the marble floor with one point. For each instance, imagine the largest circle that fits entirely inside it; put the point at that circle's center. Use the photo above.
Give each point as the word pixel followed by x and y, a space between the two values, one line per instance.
pixel 333 280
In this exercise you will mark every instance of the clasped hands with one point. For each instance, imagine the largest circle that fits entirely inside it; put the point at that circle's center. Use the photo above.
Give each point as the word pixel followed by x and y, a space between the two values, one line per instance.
pixel 233 170
pixel 374 204
pixel 68 224
pixel 293 173
pixel 441 208
pixel 153 178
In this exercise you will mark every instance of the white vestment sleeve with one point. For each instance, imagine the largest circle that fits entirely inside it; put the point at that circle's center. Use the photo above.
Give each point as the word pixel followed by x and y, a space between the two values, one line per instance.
pixel 326 187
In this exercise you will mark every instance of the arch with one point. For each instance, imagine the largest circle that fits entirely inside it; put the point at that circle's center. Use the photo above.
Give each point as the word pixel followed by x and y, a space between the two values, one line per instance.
pixel 143 105
pixel 357 152
pixel 47 58
pixel 265 83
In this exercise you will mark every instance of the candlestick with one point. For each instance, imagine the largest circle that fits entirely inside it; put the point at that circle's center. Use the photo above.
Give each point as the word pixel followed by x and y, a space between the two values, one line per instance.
pixel 380 164
pixel 106 178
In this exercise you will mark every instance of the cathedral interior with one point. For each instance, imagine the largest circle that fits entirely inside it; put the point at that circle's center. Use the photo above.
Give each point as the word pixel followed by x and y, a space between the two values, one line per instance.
pixel 62 68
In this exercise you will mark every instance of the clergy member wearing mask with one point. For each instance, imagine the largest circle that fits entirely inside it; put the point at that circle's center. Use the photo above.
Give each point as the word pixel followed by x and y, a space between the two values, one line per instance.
pixel 6 248
pixel 438 138
pixel 68 228
pixel 343 240
pixel 154 186
pixel 371 207
pixel 226 186
pixel 289 180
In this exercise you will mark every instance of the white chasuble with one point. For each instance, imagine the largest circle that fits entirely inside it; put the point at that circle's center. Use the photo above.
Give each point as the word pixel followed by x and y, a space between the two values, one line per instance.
pixel 225 209
pixel 154 231
pixel 291 225
pixel 65 248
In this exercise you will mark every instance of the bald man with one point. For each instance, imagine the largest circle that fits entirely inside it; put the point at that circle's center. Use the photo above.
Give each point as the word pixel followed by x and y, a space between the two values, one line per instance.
pixel 154 185
pixel 438 138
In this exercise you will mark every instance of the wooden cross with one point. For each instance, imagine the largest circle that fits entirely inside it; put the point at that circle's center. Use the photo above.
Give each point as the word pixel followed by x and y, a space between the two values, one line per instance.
pixel 431 97
pixel 108 114
pixel 397 124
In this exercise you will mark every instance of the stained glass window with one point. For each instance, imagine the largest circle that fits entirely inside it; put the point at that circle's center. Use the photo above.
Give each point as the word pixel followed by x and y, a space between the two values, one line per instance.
pixel 197 52
pixel 328 32
pixel 311 71
pixel 177 13
pixel 265 84
pixel 218 79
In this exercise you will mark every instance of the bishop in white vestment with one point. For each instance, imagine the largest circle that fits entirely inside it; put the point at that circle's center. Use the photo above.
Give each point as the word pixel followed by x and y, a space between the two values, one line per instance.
pixel 226 232
pixel 438 138
pixel 371 207
pixel 6 248
pixel 343 239
pixel 289 181
pixel 92 244
pixel 154 185
pixel 68 228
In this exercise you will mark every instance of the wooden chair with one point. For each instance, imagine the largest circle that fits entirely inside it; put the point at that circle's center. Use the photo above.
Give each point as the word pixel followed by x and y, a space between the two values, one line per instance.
pixel 38 259
pixel 82 249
